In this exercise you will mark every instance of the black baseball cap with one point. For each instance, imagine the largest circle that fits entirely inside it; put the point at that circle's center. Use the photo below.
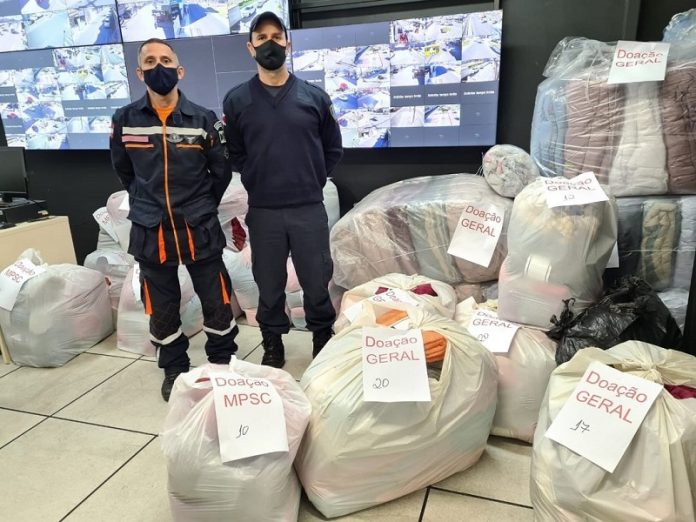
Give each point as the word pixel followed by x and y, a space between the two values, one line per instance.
pixel 267 16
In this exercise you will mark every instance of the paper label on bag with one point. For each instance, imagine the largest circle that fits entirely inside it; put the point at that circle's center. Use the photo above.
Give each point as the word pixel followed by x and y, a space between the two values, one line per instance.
pixel 580 190
pixel 603 414
pixel 13 278
pixel 639 62
pixel 477 233
pixel 614 257
pixel 250 416
pixel 393 363
pixel 103 218
pixel 135 282
pixel 494 333
pixel 125 204
pixel 393 296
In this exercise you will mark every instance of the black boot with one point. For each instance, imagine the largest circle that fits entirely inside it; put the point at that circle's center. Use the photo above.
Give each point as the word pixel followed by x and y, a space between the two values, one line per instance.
pixel 319 340
pixel 168 383
pixel 273 350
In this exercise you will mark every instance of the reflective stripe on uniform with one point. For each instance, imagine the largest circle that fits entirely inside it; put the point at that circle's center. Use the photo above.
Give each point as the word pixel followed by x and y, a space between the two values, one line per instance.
pixel 233 323
pixel 181 131
pixel 167 340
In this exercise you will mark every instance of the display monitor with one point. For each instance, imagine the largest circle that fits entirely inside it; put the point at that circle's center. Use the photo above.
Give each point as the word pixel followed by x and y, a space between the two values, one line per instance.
pixel 417 82
pixel 13 173
pixel 62 98
pixel 167 19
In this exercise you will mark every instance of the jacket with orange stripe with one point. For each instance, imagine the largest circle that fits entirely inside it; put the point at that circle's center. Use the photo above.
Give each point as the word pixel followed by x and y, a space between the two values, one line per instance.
pixel 175 175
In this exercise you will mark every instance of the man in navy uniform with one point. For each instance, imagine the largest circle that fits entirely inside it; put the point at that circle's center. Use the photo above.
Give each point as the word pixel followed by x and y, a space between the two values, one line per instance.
pixel 284 140
pixel 170 156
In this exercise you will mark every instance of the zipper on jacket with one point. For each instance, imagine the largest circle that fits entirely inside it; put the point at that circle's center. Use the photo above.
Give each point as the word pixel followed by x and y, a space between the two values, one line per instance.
pixel 166 190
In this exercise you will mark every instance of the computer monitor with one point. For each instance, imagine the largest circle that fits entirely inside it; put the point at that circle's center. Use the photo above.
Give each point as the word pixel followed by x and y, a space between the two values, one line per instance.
pixel 13 173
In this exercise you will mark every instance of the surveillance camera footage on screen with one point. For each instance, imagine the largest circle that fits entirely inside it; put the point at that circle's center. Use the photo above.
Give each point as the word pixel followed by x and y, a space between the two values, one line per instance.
pixel 417 82
pixel 421 82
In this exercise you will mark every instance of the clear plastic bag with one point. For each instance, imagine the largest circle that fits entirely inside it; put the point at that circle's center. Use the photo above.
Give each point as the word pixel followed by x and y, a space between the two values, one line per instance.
pixel 58 314
pixel 655 477
pixel 358 454
pixel 508 169
pixel 523 374
pixel 114 264
pixel 553 254
pixel 635 137
pixel 201 488
pixel 681 28
pixel 407 227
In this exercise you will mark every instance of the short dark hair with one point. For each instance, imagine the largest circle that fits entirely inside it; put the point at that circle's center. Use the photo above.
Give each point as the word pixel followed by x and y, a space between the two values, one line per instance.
pixel 155 40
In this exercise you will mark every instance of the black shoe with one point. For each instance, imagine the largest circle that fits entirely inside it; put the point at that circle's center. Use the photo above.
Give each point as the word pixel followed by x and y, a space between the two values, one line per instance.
pixel 168 383
pixel 319 340
pixel 273 350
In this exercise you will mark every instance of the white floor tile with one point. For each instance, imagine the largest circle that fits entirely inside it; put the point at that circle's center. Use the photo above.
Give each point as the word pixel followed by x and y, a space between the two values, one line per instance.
pixel 46 390
pixel 14 423
pixel 131 400
pixel 108 347
pixel 504 462
pixel 6 368
pixel 404 509
pixel 298 352
pixel 452 507
pixel 50 469
pixel 138 492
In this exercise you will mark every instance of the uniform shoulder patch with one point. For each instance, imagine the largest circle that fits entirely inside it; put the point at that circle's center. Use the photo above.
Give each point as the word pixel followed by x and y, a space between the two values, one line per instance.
pixel 220 128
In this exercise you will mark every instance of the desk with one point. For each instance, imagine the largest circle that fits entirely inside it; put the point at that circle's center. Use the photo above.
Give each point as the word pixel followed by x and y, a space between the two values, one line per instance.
pixel 51 237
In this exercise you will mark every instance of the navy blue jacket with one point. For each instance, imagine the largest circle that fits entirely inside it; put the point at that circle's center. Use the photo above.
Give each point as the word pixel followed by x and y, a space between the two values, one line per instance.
pixel 283 146
pixel 175 175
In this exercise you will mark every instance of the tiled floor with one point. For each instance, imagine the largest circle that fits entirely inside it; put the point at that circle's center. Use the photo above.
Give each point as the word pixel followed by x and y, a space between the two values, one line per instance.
pixel 79 443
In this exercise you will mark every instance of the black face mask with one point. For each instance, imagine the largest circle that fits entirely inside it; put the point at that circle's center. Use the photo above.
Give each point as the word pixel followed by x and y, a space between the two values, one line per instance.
pixel 161 79
pixel 270 55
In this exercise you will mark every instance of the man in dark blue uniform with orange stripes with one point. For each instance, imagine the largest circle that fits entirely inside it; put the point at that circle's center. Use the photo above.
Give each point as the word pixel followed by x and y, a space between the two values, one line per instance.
pixel 284 140
pixel 170 156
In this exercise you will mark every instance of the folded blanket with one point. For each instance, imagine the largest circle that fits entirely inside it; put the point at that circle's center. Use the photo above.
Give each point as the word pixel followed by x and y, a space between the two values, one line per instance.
pixel 397 219
pixel 660 236
pixel 630 235
pixel 595 116
pixel 684 262
pixel 549 127
pixel 678 100
pixel 639 164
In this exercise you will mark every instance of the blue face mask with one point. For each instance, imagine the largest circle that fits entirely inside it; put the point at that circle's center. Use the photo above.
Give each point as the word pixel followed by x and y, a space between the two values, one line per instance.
pixel 161 79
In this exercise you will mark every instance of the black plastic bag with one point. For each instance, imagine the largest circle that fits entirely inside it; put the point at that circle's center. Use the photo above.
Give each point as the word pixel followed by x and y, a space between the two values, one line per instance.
pixel 630 310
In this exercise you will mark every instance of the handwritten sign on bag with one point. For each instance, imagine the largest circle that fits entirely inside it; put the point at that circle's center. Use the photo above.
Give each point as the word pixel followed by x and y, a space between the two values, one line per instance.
pixel 393 296
pixel 393 363
pixel 250 416
pixel 494 333
pixel 103 218
pixel 603 414
pixel 638 62
pixel 13 278
pixel 580 190
pixel 477 233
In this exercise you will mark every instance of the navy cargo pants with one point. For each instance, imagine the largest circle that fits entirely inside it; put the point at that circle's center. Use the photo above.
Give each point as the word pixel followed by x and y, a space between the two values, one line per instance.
pixel 161 295
pixel 274 234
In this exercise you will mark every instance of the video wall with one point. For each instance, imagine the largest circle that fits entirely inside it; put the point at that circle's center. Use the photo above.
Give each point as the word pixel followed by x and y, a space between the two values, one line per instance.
pixel 417 82
pixel 408 83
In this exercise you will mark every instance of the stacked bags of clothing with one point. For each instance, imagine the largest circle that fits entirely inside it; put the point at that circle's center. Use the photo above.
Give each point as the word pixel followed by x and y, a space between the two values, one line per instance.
pixel 553 254
pixel 407 227
pixel 654 480
pixel 398 291
pixel 59 313
pixel 523 373
pixel 201 487
pixel 635 137
pixel 133 326
pixel 656 242
pixel 358 454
